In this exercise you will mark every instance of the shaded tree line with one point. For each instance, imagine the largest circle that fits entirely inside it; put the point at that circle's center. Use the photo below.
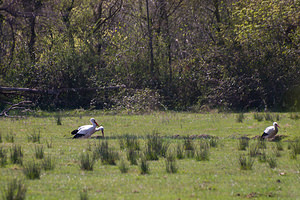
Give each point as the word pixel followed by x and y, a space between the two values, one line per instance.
pixel 235 54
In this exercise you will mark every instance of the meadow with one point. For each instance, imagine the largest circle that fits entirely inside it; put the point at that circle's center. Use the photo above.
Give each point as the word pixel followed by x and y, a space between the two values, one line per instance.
pixel 215 167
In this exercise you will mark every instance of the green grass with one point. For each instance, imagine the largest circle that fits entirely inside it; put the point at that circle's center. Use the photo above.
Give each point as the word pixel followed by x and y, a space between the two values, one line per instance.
pixel 220 177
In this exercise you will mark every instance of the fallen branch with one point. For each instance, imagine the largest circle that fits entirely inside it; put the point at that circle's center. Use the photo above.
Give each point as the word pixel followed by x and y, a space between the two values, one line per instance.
pixel 20 106
pixel 57 91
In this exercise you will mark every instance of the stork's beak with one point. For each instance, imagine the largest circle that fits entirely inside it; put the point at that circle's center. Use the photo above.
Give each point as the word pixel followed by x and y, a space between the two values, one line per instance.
pixel 97 124
pixel 277 125
pixel 102 130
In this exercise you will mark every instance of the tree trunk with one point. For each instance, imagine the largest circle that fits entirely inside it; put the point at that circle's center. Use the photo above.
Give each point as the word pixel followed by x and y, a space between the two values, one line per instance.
pixel 151 67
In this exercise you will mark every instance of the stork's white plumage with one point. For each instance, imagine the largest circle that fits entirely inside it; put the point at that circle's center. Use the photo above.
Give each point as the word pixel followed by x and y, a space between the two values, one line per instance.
pixel 87 131
pixel 270 131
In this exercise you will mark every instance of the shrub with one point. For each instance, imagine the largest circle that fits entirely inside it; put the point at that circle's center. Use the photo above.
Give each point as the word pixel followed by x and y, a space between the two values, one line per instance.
pixel 15 189
pixel 34 137
pixel 86 162
pixel 243 143
pixel 16 154
pixel 32 170
pixel 39 151
pixel 123 166
pixel 48 163
pixel 246 162
pixel 240 117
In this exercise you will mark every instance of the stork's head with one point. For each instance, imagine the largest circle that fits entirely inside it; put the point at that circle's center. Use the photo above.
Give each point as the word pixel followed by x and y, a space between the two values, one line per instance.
pixel 93 121
pixel 101 129
pixel 275 124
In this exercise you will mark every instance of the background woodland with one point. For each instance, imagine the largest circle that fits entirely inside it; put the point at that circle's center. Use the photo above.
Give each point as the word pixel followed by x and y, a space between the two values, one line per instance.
pixel 161 54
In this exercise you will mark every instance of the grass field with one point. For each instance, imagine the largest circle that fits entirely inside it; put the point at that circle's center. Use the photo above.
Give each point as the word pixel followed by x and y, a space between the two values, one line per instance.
pixel 218 177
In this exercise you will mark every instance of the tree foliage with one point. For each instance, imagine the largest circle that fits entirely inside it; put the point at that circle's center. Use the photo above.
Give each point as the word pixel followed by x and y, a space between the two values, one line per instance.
pixel 193 54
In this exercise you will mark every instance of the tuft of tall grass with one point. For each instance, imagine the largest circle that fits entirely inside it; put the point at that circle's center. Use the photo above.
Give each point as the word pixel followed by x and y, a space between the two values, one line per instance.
pixel 243 143
pixel 14 189
pixel 271 160
pixel 131 142
pixel 3 157
pixel 32 170
pixel 170 161
pixel 39 151
pixel 84 195
pixel 295 148
pixel 34 137
pixel 262 156
pixel 246 162
pixel 155 147
pixel 202 153
pixel 132 156
pixel 10 138
pixel 269 117
pixel 279 146
pixel 240 117
pixel 213 142
pixel 180 151
pixel 86 162
pixel 123 166
pixel 144 166
pixel 16 155
pixel 188 144
pixel 48 163
pixel 294 116
pixel 261 144
pixel 257 116
pixel 58 120
pixel 253 150
pixel 49 143
pixel 106 154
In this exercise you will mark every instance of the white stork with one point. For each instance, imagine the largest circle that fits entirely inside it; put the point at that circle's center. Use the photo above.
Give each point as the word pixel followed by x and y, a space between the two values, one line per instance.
pixel 87 131
pixel 270 131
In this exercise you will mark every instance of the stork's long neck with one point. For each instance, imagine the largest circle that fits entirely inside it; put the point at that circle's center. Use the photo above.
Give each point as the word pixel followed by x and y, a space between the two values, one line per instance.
pixel 94 124
pixel 276 128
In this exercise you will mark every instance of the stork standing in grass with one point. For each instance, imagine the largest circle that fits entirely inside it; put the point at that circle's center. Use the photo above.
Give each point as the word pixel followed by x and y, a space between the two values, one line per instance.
pixel 270 131
pixel 87 131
